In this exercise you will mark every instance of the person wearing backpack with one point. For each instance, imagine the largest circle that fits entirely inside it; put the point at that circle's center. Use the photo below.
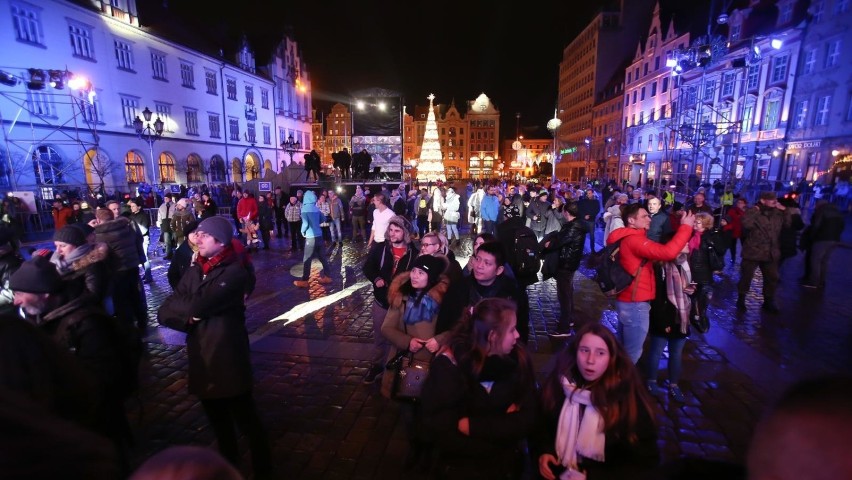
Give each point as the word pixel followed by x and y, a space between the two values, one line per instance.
pixel 567 245
pixel 635 256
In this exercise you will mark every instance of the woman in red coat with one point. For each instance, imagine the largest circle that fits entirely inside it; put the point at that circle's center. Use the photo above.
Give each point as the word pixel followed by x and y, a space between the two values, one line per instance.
pixel 733 223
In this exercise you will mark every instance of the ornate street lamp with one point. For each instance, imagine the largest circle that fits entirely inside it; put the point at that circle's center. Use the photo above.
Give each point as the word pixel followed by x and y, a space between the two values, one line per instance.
pixel 150 132
pixel 553 125
pixel 291 146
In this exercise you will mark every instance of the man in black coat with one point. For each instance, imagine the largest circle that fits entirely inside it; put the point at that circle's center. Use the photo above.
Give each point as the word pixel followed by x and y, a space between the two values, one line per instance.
pixel 345 164
pixel 588 209
pixel 209 305
pixel 567 246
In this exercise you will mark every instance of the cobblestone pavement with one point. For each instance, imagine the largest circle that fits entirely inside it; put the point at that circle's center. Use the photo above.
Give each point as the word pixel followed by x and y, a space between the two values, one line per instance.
pixel 312 347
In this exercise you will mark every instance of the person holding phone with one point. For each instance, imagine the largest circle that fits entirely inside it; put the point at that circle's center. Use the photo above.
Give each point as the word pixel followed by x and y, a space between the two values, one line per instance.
pixel 598 419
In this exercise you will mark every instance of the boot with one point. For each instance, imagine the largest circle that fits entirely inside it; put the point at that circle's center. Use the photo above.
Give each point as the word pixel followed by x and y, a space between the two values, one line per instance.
pixel 741 306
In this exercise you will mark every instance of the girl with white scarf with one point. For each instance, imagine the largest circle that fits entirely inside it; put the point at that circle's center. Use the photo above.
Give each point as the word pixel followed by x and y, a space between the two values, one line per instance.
pixel 600 417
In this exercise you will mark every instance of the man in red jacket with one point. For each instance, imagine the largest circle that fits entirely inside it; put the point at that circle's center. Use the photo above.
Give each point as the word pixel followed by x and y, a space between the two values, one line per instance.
pixel 636 255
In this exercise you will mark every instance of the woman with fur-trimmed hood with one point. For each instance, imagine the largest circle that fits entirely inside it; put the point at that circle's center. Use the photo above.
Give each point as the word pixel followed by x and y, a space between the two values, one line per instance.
pixel 411 324
pixel 81 264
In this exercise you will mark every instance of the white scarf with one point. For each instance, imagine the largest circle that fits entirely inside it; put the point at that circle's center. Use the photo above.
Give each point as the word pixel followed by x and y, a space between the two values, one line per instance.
pixel 575 435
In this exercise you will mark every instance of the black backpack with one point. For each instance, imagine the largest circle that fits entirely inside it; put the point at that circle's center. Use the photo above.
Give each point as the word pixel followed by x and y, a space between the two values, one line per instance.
pixel 524 254
pixel 610 275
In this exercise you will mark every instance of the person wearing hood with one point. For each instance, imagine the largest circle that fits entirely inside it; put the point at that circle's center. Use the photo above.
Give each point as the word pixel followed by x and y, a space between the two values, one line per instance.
pixel 452 215
pixel 411 325
pixel 311 230
pixel 82 265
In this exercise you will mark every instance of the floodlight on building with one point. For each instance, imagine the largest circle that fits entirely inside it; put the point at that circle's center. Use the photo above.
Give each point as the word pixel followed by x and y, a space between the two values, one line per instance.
pixel 57 79
pixel 722 19
pixel 671 62
pixel 37 79
pixel 383 106
pixel 8 79
pixel 78 82
pixel 360 104
pixel 777 43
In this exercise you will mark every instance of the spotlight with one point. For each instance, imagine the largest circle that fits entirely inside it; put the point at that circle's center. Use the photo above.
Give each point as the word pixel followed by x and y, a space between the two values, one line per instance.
pixel 8 79
pixel 777 43
pixel 382 106
pixel 722 19
pixel 37 79
pixel 78 82
pixel 671 62
pixel 57 79
pixel 339 189
pixel 361 105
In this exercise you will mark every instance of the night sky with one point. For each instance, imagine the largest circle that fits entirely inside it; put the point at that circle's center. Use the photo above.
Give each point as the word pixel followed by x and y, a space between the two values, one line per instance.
pixel 508 49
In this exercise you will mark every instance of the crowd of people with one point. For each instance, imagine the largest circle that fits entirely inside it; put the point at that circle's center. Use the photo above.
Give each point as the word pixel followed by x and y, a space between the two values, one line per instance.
pixel 480 412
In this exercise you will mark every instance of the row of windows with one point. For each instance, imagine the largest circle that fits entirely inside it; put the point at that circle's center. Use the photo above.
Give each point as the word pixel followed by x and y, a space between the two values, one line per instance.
pixel 27 24
pixel 832 57
pixel 664 87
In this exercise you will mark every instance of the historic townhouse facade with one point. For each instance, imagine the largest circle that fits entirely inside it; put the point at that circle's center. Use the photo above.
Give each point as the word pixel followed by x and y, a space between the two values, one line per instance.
pixel 222 120
pixel 819 133
pixel 648 95
pixel 605 143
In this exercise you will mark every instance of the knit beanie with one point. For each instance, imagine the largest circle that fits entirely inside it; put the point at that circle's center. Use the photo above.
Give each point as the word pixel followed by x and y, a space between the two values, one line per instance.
pixel 433 266
pixel 36 275
pixel 218 228
pixel 70 234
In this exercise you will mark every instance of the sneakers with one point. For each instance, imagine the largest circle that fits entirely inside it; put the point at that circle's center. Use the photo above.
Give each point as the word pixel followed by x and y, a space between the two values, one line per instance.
pixel 324 280
pixel 301 283
pixel 676 394
pixel 560 333
pixel 374 373
pixel 653 387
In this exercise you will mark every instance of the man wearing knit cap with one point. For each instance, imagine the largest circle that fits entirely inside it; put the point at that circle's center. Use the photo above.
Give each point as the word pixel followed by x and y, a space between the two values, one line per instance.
pixel 181 217
pixel 208 304
pixel 386 259
pixel 99 342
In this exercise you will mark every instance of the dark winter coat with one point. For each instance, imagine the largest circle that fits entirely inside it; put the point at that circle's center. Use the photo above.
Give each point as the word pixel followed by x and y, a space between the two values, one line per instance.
pixel 762 243
pixel 379 264
pixel 565 248
pixel 124 242
pixel 789 237
pixel 661 225
pixel 217 346
pixel 493 447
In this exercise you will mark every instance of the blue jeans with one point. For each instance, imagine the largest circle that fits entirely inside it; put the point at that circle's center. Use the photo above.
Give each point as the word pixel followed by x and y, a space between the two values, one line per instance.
pixel 633 326
pixel 313 249
pixel 336 232
pixel 675 357
pixel 452 231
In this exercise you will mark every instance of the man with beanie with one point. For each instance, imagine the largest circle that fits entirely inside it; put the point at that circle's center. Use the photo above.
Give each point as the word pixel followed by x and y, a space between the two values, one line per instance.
pixel 392 256
pixel 180 218
pixel 311 230
pixel 101 345
pixel 762 248
pixel 208 304
pixel 82 265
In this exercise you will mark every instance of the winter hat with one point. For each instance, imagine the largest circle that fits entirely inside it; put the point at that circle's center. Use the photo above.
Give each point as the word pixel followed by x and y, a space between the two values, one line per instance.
pixel 36 275
pixel 433 266
pixel 70 234
pixel 543 193
pixel 183 202
pixel 403 223
pixel 218 228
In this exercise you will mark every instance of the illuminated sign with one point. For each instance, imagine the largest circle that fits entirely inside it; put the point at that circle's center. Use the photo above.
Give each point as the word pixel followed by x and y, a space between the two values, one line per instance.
pixel 801 145
pixel 567 150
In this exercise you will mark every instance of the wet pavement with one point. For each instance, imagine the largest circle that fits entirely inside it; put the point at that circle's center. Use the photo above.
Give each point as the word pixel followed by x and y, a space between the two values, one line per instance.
pixel 311 348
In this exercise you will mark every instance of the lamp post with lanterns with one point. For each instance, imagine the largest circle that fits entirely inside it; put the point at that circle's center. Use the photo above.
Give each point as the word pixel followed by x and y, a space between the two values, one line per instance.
pixel 553 125
pixel 291 146
pixel 149 132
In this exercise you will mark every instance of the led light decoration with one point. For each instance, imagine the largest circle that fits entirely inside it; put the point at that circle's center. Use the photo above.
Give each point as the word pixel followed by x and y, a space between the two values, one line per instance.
pixel 430 167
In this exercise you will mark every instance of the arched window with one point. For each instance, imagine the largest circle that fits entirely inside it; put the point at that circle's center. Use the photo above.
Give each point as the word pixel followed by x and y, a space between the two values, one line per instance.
pixel 217 169
pixel 167 168
pixel 134 168
pixel 236 170
pixel 252 170
pixel 193 168
pixel 47 166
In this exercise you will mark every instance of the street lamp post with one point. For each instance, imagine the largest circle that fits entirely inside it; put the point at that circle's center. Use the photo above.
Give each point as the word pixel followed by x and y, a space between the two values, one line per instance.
pixel 150 132
pixel 588 142
pixel 481 104
pixel 553 125
pixel 290 146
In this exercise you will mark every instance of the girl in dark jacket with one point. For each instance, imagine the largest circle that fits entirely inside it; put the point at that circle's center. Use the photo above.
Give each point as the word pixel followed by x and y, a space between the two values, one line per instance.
pixel 479 402
pixel 598 420
pixel 265 219
pixel 567 246
pixel 702 246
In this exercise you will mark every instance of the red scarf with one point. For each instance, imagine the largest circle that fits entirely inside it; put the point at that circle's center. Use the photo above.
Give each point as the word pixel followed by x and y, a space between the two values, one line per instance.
pixel 208 264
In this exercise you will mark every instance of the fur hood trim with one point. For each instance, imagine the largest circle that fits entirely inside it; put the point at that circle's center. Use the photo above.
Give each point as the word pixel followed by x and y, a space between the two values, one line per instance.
pixel 396 297
pixel 99 253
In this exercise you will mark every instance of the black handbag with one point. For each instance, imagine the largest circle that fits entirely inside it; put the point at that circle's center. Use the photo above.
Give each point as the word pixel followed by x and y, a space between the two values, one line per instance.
pixel 409 378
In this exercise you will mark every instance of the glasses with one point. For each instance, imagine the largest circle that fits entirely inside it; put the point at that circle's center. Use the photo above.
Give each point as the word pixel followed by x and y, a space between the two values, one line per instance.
pixel 424 244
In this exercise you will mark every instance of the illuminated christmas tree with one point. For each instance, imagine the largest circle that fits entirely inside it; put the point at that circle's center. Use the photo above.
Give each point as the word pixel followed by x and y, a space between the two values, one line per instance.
pixel 430 167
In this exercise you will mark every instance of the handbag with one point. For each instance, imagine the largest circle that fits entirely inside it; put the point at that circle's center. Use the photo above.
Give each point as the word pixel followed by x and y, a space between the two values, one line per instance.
pixel 409 378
